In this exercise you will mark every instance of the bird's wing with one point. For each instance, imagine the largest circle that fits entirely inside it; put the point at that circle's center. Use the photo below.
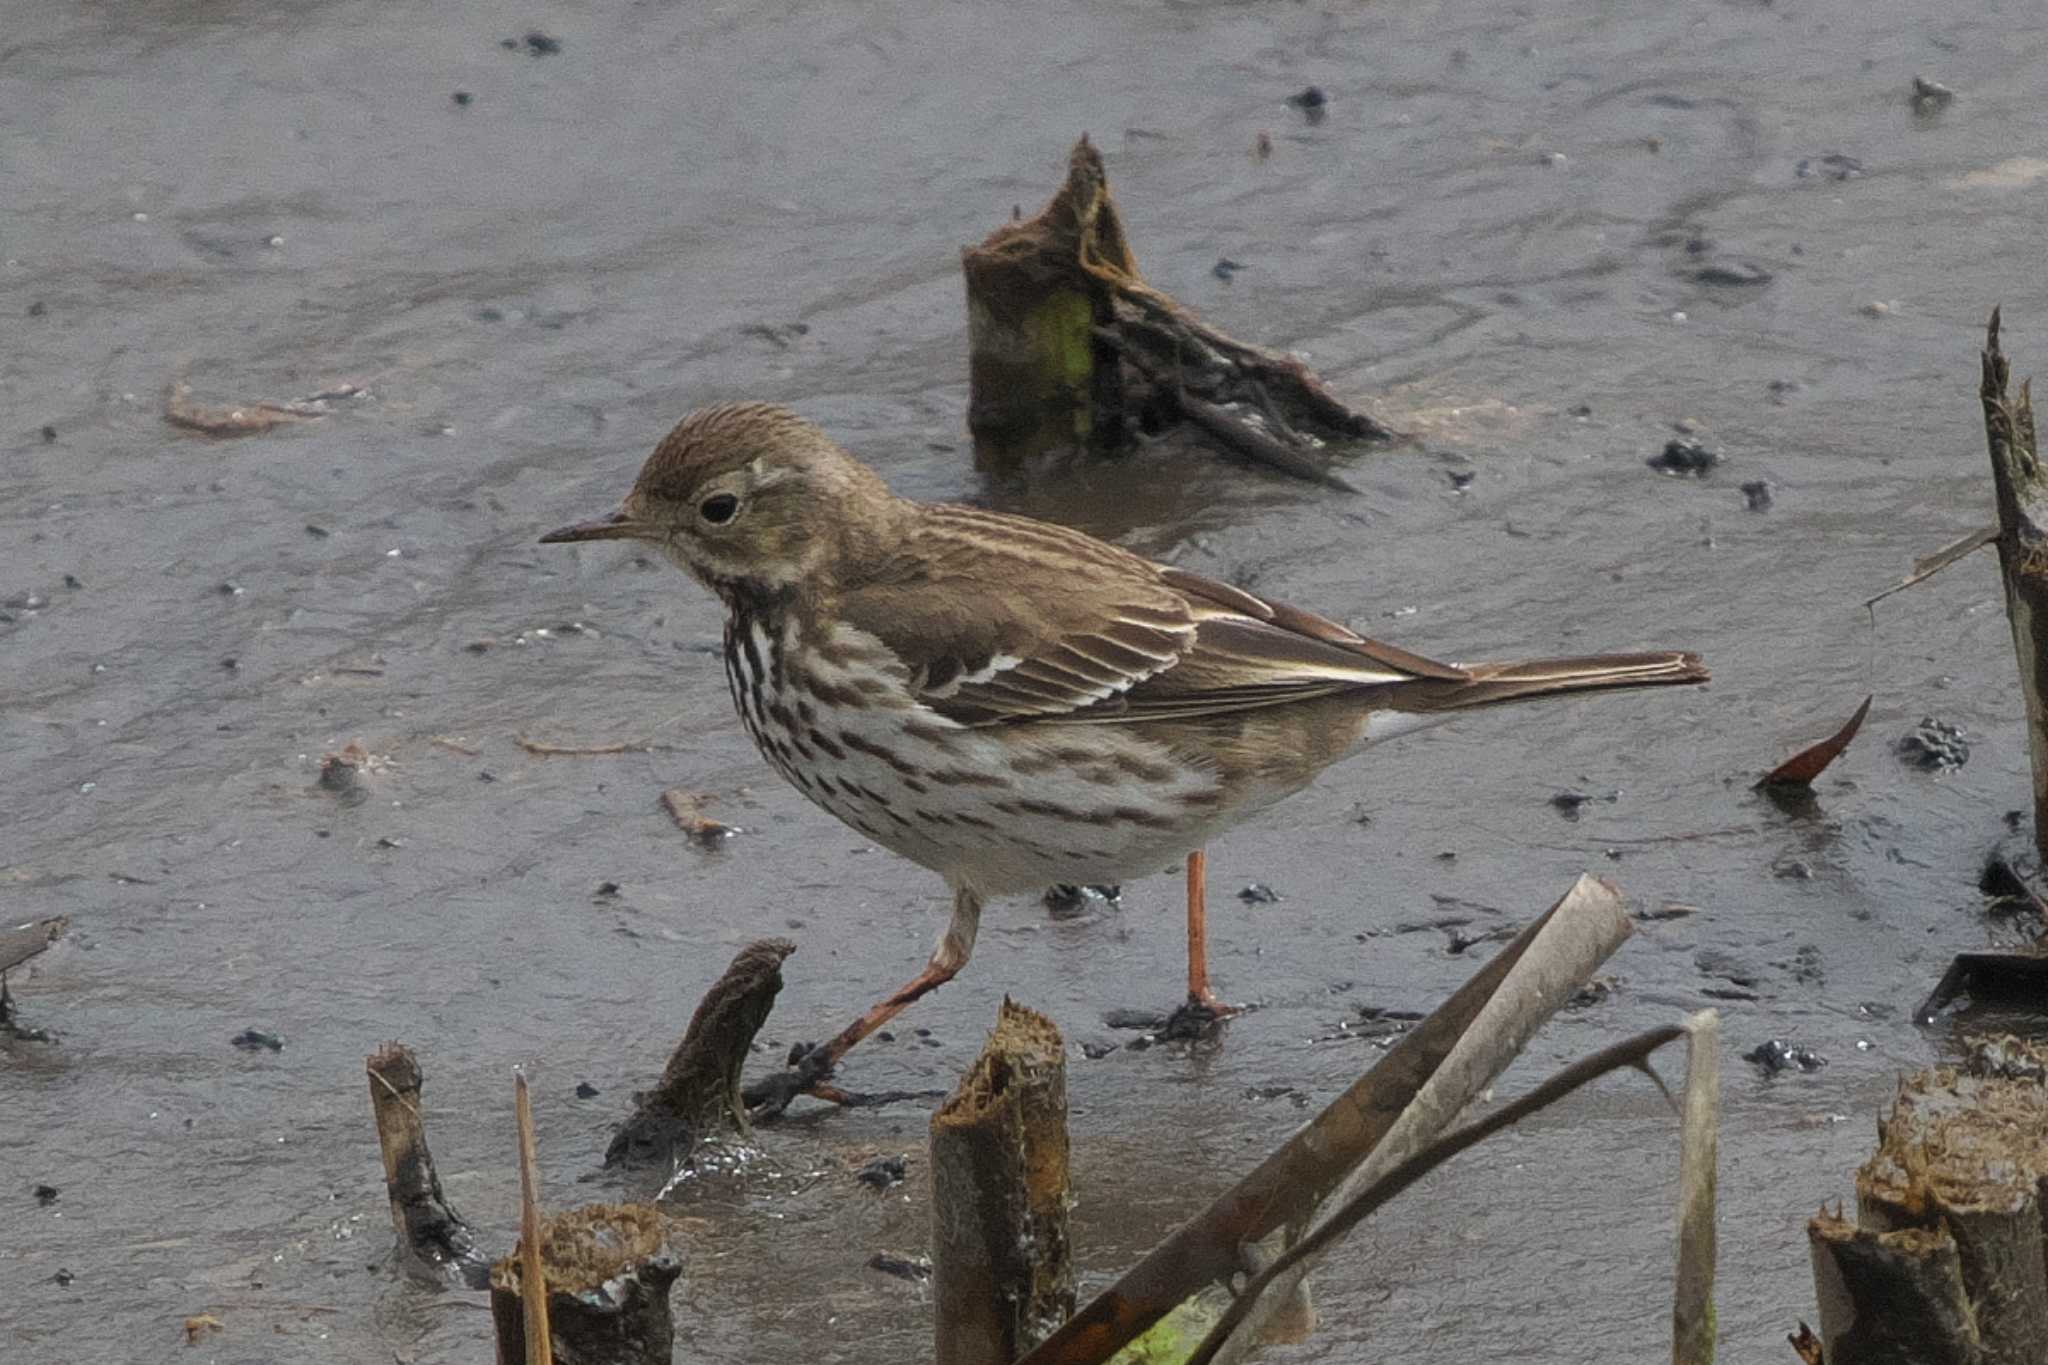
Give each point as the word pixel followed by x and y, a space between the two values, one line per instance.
pixel 1003 620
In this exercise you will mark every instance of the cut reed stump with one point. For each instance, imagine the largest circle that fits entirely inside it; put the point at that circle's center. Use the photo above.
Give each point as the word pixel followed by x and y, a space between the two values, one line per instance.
pixel 1070 349
pixel 699 1092
pixel 1002 1277
pixel 1943 1264
pixel 608 1274
pixel 433 1240
pixel 2022 492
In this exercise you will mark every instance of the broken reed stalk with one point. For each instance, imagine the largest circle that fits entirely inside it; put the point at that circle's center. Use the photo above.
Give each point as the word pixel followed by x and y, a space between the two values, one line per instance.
pixel 1386 1116
pixel 1557 965
pixel 2022 491
pixel 699 1090
pixel 1002 1275
pixel 1692 1302
pixel 608 1274
pixel 433 1239
pixel 1631 1052
pixel 1069 349
pixel 1945 1261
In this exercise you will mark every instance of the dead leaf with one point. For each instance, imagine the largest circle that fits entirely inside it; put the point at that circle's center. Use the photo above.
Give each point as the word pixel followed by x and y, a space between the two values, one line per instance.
pixel 686 808
pixel 1807 1344
pixel 201 1325
pixel 1800 769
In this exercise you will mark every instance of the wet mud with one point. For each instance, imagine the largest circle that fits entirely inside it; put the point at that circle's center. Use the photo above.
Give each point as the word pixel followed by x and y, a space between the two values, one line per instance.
pixel 314 744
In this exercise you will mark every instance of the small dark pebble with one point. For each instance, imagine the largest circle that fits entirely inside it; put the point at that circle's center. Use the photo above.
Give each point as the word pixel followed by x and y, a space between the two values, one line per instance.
pixel 1583 410
pixel 46 1195
pixel 72 581
pixel 882 1172
pixel 1134 1019
pixel 256 1040
pixel 38 308
pixel 1928 96
pixel 1569 803
pixel 490 315
pixel 1738 274
pixel 231 664
pixel 1934 745
pixel 1780 389
pixel 902 1267
pixel 487 776
pixel 585 1090
pixel 337 774
pixel 1777 1055
pixel 1258 893
pixel 1096 1051
pixel 607 889
pixel 1225 268
pixel 922 1032
pixel 388 841
pixel 541 45
pixel 462 98
pixel 1756 495
pixel 62 1277
pixel 1792 870
pixel 317 531
pixel 1682 455
pixel 49 434
pixel 1311 98
pixel 1461 479
pixel 229 589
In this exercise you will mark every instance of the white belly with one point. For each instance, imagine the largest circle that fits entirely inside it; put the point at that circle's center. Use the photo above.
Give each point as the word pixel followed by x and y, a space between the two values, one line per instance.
pixel 999 809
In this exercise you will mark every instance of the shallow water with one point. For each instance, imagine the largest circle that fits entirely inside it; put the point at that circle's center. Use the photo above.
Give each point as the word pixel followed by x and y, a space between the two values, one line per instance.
pixel 268 200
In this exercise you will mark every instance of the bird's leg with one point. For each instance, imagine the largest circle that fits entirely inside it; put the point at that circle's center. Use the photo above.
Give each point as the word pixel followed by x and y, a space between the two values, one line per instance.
pixel 1199 993
pixel 808 1073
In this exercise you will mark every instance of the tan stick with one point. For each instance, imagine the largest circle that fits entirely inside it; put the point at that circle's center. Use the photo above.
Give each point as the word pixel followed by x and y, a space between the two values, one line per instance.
pixel 533 1284
pixel 1692 1305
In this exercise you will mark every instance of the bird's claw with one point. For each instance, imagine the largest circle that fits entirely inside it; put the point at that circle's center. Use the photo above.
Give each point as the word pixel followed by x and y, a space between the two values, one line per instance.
pixel 808 1069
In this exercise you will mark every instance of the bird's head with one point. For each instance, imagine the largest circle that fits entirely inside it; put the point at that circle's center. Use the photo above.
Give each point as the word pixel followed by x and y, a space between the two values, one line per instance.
pixel 745 493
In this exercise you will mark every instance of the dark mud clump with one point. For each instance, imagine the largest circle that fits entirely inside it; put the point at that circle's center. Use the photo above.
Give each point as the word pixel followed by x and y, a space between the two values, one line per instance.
pixel 1934 746
pixel 1776 1055
pixel 1683 455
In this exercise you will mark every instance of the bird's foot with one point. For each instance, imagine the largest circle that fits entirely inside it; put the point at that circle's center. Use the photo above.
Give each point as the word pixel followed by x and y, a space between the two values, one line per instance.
pixel 1199 1017
pixel 809 1067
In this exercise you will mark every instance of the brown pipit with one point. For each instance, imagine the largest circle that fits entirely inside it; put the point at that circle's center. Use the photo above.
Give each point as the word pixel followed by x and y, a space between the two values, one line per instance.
pixel 1012 703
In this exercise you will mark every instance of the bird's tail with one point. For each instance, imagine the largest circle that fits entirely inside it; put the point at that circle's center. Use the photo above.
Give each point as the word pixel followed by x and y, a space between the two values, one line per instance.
pixel 1492 684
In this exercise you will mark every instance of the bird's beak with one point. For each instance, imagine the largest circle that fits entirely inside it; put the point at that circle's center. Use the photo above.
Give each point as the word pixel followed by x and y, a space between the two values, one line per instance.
pixel 617 526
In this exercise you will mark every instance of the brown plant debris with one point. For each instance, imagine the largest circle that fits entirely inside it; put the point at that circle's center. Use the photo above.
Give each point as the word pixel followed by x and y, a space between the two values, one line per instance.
pixel 686 808
pixel 1810 762
pixel 544 749
pixel 241 419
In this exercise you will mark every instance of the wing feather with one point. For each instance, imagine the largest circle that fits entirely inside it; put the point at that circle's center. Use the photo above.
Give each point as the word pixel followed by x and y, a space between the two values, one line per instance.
pixel 1003 621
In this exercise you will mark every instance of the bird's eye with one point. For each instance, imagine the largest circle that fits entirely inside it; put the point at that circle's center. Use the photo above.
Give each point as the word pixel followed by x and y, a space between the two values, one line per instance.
pixel 719 508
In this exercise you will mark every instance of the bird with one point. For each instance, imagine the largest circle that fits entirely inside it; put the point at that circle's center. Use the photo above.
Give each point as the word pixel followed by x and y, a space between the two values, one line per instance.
pixel 1013 703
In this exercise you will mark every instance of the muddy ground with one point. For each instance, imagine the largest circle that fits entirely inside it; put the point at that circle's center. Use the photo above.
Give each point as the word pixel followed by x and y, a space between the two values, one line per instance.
pixel 535 260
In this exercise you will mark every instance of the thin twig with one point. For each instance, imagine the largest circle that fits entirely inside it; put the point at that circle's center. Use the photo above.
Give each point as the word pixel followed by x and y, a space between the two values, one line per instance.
pixel 546 750
pixel 533 1286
